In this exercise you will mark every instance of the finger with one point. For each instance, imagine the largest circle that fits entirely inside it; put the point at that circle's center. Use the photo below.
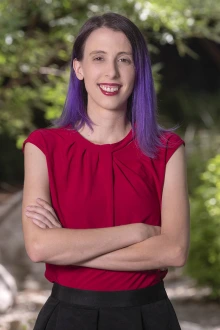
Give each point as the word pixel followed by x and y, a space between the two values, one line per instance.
pixel 50 209
pixel 52 215
pixel 39 224
pixel 47 206
pixel 39 219
pixel 40 216
pixel 45 213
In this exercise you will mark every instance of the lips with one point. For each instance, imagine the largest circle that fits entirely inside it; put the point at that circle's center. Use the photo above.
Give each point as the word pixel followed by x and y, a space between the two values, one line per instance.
pixel 109 84
pixel 109 89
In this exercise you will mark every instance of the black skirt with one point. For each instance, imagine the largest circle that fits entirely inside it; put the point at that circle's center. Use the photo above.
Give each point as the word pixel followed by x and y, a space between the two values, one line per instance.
pixel 142 309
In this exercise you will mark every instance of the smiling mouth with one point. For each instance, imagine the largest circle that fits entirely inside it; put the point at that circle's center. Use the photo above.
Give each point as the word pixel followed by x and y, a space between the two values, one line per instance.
pixel 109 88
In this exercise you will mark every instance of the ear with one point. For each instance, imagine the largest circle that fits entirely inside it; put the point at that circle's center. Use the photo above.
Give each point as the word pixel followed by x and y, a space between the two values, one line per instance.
pixel 78 69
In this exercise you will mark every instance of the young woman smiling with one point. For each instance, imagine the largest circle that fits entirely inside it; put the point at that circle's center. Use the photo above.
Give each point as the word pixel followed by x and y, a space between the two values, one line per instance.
pixel 105 201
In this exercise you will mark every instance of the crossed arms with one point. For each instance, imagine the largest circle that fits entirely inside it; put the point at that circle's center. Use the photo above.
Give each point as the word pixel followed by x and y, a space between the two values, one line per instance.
pixel 132 247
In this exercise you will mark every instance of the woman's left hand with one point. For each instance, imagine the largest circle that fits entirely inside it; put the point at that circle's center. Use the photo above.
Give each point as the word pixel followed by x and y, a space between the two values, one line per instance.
pixel 43 215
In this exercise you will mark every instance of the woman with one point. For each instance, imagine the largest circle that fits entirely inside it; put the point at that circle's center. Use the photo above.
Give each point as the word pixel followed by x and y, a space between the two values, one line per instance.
pixel 113 212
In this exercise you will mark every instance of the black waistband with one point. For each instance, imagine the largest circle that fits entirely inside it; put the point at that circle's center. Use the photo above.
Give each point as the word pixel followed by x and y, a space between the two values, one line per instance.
pixel 109 298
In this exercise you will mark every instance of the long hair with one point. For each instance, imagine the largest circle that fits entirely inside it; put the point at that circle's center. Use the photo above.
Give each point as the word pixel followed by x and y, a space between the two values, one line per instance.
pixel 141 105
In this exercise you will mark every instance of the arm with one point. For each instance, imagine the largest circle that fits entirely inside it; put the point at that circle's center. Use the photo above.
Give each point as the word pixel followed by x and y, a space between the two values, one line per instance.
pixel 65 246
pixel 171 247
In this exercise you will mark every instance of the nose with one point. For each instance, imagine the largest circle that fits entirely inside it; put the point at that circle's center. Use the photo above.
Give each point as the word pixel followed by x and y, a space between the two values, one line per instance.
pixel 112 69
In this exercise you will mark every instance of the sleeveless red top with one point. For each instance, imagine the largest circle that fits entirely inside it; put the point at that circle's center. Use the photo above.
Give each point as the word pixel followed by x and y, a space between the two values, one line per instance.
pixel 97 186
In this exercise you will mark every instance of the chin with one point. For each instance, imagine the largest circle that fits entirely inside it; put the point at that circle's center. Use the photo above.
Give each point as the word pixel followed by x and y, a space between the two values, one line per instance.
pixel 113 108
pixel 111 105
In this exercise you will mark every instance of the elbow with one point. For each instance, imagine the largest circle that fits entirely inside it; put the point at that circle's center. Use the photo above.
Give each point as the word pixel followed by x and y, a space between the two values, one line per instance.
pixel 181 257
pixel 34 252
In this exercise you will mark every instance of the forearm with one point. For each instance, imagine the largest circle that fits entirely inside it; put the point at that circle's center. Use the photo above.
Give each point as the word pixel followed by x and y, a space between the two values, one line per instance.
pixel 154 253
pixel 45 241
pixel 68 246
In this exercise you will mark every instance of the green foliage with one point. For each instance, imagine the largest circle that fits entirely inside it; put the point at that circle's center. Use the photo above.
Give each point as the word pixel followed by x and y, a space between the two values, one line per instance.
pixel 174 22
pixel 200 146
pixel 204 258
pixel 36 39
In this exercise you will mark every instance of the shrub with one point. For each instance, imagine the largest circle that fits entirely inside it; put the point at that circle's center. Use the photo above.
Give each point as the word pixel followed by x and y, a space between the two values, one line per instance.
pixel 204 257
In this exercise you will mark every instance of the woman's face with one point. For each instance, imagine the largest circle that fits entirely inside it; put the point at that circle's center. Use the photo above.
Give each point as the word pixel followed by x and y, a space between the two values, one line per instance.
pixel 107 60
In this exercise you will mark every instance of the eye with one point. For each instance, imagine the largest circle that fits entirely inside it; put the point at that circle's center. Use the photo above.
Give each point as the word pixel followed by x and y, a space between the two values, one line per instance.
pixel 125 60
pixel 97 58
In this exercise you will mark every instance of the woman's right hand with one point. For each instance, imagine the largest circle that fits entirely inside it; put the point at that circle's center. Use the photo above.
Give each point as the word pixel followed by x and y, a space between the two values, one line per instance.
pixel 147 231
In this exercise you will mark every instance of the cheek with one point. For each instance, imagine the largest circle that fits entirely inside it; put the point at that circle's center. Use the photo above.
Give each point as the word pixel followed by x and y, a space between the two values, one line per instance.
pixel 130 75
pixel 91 78
pixel 131 80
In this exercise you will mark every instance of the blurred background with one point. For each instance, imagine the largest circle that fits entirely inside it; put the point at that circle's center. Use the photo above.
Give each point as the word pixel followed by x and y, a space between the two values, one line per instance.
pixel 36 39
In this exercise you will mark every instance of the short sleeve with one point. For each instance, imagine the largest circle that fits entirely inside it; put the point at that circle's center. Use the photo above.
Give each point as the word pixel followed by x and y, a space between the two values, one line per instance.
pixel 36 137
pixel 174 141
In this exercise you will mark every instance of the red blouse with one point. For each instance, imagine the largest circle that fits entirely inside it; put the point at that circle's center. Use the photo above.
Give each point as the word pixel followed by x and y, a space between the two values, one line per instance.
pixel 97 186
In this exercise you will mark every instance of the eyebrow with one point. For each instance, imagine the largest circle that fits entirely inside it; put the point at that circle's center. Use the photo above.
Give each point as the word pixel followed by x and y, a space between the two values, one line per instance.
pixel 103 52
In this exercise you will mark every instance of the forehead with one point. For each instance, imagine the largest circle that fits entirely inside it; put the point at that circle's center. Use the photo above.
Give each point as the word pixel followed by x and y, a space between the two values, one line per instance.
pixel 107 40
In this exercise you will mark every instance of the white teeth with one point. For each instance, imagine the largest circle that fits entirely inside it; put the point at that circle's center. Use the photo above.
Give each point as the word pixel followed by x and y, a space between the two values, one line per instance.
pixel 109 89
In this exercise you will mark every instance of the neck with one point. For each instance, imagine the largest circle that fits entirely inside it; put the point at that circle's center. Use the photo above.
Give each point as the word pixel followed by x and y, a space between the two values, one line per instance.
pixel 110 127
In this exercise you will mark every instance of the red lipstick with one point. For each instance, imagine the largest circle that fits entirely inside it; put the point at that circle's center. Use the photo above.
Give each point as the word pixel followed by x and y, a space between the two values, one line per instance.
pixel 108 93
pixel 109 84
